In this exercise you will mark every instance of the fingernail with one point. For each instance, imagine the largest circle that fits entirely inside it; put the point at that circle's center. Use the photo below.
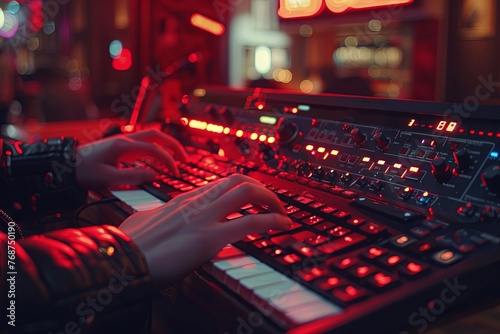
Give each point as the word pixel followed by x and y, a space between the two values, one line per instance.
pixel 288 223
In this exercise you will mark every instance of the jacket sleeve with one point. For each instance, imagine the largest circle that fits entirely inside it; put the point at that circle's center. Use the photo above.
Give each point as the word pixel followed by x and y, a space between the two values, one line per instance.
pixel 92 279
pixel 38 179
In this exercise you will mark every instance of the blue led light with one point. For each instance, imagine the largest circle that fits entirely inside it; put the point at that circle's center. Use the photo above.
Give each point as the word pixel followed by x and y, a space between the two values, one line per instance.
pixel 494 155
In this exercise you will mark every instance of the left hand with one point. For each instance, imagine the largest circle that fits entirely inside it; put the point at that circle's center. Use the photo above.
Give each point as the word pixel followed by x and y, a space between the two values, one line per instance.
pixel 97 162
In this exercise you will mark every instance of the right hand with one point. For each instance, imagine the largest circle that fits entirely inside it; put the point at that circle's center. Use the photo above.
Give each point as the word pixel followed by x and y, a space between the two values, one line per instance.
pixel 189 230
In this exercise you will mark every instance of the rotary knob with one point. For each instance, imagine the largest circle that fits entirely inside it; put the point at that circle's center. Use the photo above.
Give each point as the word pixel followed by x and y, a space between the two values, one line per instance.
pixel 212 111
pixel 491 179
pixel 441 170
pixel 358 136
pixel 227 113
pixel 462 159
pixel 319 173
pixel 243 146
pixel 381 140
pixel 267 153
pixel 305 169
pixel 287 131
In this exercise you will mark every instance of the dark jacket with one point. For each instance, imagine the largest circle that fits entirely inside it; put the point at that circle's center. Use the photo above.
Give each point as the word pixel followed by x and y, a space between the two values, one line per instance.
pixel 86 280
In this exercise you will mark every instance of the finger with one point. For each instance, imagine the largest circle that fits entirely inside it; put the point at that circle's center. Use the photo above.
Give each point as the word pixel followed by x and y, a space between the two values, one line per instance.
pixel 141 149
pixel 221 185
pixel 163 140
pixel 242 194
pixel 236 229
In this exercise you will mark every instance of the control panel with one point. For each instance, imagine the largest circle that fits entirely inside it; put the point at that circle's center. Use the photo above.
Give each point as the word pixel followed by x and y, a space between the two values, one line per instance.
pixel 420 156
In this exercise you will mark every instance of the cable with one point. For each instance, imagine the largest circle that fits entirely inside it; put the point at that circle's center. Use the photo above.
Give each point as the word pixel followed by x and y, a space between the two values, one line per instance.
pixel 9 222
pixel 83 207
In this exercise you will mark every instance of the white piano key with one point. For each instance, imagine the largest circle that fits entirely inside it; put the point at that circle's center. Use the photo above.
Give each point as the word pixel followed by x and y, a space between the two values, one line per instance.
pixel 305 313
pixel 220 267
pixel 289 300
pixel 138 199
pixel 249 284
pixel 234 276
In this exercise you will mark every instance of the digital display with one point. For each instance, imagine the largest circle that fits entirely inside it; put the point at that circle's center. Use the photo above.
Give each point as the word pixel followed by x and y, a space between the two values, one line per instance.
pixel 444 126
pixel 441 126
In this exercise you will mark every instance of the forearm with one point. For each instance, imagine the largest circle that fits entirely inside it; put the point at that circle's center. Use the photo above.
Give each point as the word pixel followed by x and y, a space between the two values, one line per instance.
pixel 94 273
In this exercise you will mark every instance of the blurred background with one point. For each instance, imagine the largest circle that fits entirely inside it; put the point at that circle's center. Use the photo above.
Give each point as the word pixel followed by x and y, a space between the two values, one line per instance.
pixel 84 59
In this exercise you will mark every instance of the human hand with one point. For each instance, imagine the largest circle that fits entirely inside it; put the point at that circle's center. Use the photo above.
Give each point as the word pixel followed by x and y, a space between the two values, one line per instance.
pixel 189 230
pixel 97 162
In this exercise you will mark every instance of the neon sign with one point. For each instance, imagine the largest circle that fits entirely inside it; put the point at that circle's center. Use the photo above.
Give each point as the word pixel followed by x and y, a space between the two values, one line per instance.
pixel 289 9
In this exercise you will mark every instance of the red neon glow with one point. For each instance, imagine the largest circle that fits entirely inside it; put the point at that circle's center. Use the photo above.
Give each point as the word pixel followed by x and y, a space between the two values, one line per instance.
pixel 124 61
pixel 260 105
pixel 289 9
pixel 127 128
pixel 299 8
pixel 18 147
pixel 375 251
pixel 138 102
pixel 393 260
pixel 414 268
pixel 382 279
pixel 207 24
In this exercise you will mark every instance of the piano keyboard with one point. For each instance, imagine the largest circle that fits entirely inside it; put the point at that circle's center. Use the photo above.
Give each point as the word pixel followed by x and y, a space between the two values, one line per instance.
pixel 272 293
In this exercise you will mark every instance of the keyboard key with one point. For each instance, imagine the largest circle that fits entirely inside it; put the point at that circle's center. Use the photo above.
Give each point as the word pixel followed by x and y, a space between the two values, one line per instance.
pixel 373 252
pixel 343 262
pixel 350 293
pixel 402 240
pixel 328 209
pixel 361 270
pixel 385 209
pixel 310 274
pixel 390 260
pixel 323 226
pixel 312 220
pixel 234 276
pixel 301 214
pixel 373 229
pixel 356 221
pixel 330 282
pixel 338 231
pixel 291 209
pixel 382 280
pixel 341 244
pixel 412 269
pixel 446 257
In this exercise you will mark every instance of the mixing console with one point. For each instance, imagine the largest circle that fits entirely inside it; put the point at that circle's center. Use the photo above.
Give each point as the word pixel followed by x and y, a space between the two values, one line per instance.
pixel 396 205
